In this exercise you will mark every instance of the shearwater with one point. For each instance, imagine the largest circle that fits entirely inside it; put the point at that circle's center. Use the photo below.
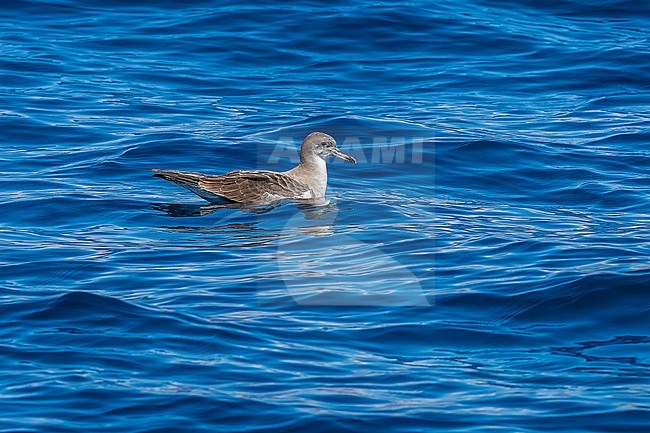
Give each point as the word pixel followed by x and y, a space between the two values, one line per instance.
pixel 308 180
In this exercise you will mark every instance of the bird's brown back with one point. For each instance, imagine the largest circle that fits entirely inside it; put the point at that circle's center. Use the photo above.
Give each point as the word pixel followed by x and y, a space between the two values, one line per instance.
pixel 253 186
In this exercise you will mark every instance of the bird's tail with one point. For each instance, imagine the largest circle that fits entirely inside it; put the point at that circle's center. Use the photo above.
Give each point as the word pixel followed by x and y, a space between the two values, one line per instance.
pixel 190 181
pixel 183 178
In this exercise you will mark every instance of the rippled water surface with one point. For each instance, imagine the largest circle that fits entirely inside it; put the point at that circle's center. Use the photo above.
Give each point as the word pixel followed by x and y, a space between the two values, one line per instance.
pixel 484 265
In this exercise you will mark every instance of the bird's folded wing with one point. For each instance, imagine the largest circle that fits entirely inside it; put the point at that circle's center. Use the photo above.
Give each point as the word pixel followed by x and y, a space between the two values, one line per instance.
pixel 250 186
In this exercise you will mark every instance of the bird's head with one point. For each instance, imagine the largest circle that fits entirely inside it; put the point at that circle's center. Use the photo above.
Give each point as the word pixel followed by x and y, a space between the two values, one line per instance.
pixel 324 145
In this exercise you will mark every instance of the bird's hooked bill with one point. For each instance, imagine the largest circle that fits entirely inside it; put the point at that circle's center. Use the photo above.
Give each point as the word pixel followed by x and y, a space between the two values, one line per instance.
pixel 337 153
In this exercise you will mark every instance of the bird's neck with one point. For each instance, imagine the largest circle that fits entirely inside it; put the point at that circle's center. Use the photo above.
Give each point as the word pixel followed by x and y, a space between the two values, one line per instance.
pixel 314 168
pixel 312 161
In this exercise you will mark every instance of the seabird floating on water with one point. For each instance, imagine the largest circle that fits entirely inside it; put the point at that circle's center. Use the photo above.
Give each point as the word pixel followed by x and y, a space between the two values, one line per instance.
pixel 308 180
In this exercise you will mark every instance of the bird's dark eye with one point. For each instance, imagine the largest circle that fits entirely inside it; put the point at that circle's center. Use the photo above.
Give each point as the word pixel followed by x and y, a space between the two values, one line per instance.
pixel 324 143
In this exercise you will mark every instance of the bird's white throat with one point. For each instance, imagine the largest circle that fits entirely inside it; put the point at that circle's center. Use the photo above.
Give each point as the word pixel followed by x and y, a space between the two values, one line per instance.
pixel 312 171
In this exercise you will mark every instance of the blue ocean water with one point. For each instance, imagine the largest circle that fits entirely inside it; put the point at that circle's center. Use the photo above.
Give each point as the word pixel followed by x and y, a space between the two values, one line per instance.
pixel 485 265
